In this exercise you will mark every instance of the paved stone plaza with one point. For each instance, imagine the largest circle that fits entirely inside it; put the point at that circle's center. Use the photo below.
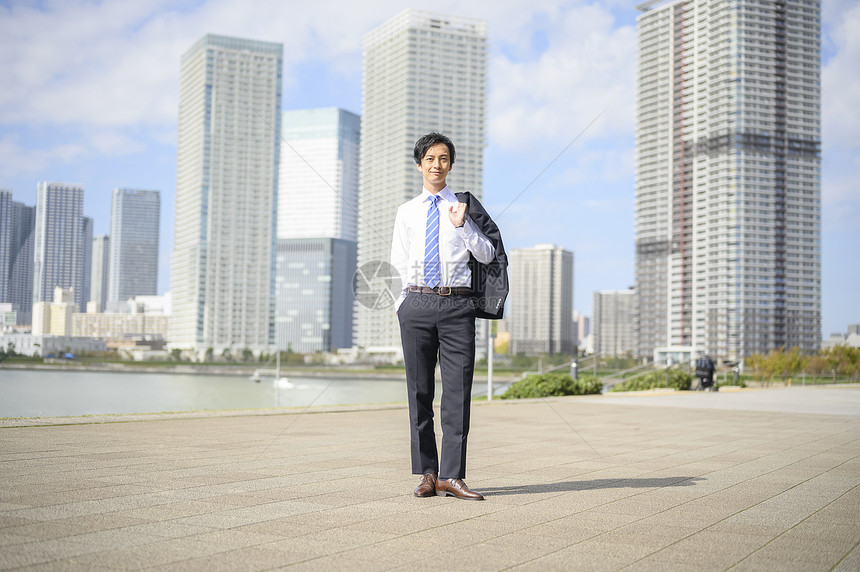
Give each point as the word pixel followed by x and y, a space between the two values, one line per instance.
pixel 749 480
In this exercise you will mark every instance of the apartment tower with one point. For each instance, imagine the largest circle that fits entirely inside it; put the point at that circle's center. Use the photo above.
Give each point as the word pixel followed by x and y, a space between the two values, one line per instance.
pixel 728 170
pixel 6 226
pixel 134 226
pixel 59 253
pixel 226 195
pixel 423 72
pixel 18 259
pixel 100 272
pixel 614 324
pixel 541 302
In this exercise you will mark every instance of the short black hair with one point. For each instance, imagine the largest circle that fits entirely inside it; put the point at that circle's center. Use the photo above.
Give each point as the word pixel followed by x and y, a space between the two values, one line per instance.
pixel 423 145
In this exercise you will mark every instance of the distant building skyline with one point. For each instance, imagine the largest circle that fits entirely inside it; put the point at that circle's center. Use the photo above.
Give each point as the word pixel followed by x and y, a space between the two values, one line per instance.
pixel 691 235
pixel 728 177
pixel 134 229
pixel 222 274
pixel 422 72
pixel 541 300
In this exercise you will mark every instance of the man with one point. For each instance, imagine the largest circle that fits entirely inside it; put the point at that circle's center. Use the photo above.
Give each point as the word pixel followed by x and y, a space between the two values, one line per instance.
pixel 434 241
pixel 705 372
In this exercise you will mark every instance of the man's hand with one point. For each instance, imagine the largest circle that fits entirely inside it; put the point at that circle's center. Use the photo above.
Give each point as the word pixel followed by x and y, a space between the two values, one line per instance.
pixel 457 214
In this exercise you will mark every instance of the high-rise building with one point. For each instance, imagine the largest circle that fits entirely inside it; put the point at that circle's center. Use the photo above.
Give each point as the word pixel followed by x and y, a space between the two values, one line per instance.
pixel 314 294
pixel 100 269
pixel 318 181
pixel 222 274
pixel 87 255
pixel 134 227
pixel 728 192
pixel 614 323
pixel 422 72
pixel 317 217
pixel 59 255
pixel 541 300
pixel 582 325
pixel 6 225
pixel 21 261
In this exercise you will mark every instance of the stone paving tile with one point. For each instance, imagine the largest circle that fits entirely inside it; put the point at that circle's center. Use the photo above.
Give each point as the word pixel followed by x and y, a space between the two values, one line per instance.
pixel 375 557
pixel 582 556
pixel 242 516
pixel 710 549
pixel 754 564
pixel 643 534
pixel 824 554
pixel 114 538
pixel 850 561
pixel 41 551
pixel 481 556
pixel 244 559
pixel 46 530
pixel 7 539
pixel 535 544
pixel 61 566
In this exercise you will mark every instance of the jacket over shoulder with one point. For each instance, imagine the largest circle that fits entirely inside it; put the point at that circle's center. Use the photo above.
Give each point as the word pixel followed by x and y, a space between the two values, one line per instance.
pixel 489 281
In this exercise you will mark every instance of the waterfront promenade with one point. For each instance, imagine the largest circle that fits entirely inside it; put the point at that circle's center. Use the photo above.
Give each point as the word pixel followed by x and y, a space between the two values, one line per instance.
pixel 749 480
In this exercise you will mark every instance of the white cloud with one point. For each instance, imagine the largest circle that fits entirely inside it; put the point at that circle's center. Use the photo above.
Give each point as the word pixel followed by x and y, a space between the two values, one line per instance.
pixel 587 67
pixel 15 160
pixel 840 92
pixel 840 83
pixel 114 143
pixel 117 63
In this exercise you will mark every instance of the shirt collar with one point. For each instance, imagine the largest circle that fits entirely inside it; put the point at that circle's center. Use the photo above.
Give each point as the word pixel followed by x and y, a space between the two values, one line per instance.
pixel 445 193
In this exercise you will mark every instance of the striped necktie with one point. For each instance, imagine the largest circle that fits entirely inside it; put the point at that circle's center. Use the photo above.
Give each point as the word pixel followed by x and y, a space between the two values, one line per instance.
pixel 432 267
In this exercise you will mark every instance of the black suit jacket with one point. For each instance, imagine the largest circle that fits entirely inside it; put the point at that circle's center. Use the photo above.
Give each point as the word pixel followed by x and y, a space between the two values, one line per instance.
pixel 489 281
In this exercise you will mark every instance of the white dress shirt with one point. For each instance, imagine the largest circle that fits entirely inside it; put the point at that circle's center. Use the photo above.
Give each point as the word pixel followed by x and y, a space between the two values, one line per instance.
pixel 455 243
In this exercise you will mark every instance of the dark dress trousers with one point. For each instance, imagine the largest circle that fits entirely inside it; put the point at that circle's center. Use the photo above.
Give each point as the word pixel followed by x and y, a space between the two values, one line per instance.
pixel 432 325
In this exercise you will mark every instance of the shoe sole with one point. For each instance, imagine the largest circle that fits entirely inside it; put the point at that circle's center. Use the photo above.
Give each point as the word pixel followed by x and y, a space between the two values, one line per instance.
pixel 456 496
pixel 425 495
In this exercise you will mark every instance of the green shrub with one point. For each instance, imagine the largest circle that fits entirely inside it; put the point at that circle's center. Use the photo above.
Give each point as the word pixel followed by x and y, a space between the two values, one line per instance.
pixel 550 384
pixel 680 380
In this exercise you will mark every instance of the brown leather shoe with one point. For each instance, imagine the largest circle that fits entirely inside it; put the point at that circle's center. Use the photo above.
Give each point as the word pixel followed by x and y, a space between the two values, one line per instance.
pixel 456 488
pixel 427 488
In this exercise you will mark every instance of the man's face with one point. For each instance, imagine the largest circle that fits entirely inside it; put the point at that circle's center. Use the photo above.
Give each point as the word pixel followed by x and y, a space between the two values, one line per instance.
pixel 435 167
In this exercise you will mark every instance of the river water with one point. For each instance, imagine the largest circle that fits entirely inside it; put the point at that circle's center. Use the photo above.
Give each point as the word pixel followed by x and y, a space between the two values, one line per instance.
pixel 50 393
pixel 57 393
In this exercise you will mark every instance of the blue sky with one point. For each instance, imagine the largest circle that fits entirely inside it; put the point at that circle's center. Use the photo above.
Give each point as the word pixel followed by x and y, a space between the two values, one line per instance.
pixel 90 93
